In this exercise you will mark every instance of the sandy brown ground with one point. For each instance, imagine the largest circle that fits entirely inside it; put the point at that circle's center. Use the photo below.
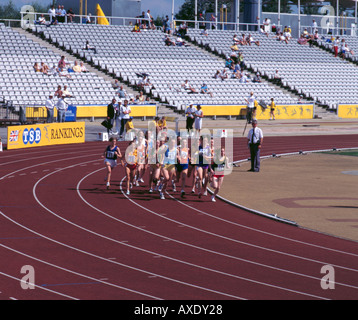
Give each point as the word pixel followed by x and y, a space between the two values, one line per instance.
pixel 310 189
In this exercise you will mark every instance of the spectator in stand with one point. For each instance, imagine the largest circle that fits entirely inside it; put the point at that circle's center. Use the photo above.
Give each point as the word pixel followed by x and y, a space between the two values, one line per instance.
pixel 188 88
pixel 303 40
pixel 345 49
pixel 77 68
pixel 205 90
pixel 266 24
pixel 141 97
pixel 217 74
pixel 83 67
pixel 201 21
pixel 70 15
pixel 44 68
pixel 168 41
pixel 183 29
pixel 250 40
pixel 58 13
pixel 223 75
pixel 287 33
pixel 58 92
pixel 257 78
pixel 122 94
pixel 37 67
pixel 62 64
pixel 66 93
pixel 52 14
pixel 243 41
pixel 205 32
pixel 88 19
pixel 63 14
pixel 166 26
pixel 213 21
pixel 276 77
pixel 41 21
pixel 314 26
pixel 179 42
pixel 150 19
pixel 136 28
pixel 89 47
pixel 335 46
pixel 115 84
pixel 236 40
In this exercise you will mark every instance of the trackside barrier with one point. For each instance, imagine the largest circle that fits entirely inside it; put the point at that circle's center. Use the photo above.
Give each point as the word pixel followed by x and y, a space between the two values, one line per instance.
pixel 347 111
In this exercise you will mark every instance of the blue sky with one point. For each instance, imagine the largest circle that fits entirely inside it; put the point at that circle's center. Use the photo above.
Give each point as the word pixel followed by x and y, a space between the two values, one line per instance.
pixel 156 7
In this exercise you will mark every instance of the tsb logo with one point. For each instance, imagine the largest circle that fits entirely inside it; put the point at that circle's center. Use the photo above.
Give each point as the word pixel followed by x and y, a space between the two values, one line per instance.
pixel 31 136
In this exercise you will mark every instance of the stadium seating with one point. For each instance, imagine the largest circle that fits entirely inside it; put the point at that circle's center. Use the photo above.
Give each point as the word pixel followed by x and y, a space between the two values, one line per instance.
pixel 126 54
pixel 23 86
pixel 306 70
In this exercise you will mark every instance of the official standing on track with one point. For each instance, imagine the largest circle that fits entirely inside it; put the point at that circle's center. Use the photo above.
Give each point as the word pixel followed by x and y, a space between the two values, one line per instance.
pixel 61 109
pixel 255 140
pixel 50 105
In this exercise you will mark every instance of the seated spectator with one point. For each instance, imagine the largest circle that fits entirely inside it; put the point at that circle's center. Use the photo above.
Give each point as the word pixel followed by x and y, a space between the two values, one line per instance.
pixel 83 67
pixel 44 68
pixel 187 87
pixel 77 68
pixel 235 40
pixel 115 84
pixel 88 19
pixel 66 93
pixel 89 47
pixel 250 40
pixel 305 33
pixel 168 41
pixel 228 62
pixel 287 33
pixel 58 92
pixel 257 78
pixel 64 73
pixel 204 89
pixel 262 30
pixel 179 42
pixel 243 40
pixel 217 74
pixel 70 15
pixel 223 75
pixel 281 37
pixel 41 21
pixel 122 94
pixel 136 28
pixel 62 64
pixel 302 40
pixel 345 49
pixel 243 78
pixel 141 97
pixel 37 67
pixel 205 32
pixel 276 77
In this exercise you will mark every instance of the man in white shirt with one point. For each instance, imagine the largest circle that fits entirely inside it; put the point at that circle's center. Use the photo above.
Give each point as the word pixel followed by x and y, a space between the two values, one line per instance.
pixel 190 117
pixel 254 141
pixel 61 109
pixel 125 111
pixel 52 13
pixel 250 107
pixel 49 105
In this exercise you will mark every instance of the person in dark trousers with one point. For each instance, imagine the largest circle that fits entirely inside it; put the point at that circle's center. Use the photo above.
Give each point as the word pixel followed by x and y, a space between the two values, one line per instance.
pixel 111 113
pixel 255 140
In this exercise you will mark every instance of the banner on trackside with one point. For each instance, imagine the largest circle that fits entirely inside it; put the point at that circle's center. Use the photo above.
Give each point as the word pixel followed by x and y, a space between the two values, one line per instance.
pixel 28 136
pixel 347 111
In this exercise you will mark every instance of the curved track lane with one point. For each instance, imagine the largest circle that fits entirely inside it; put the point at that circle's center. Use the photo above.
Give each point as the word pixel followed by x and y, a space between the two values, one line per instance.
pixel 86 242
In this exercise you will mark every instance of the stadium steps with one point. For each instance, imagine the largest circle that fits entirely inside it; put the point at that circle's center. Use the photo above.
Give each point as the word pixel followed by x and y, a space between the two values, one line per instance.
pixel 321 112
pixel 71 57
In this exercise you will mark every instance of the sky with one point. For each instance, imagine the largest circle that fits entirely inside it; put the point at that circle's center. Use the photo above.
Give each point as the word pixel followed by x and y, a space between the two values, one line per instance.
pixel 156 7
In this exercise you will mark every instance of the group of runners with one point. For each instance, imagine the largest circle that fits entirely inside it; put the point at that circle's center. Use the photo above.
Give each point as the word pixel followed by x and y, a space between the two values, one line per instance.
pixel 169 161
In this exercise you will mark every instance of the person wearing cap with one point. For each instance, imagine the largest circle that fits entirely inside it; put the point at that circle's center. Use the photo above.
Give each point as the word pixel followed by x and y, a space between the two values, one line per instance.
pixel 190 113
pixel 254 141
pixel 49 105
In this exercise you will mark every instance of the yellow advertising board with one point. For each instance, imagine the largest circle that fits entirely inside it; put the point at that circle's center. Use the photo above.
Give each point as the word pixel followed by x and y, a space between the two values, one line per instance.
pixel 283 112
pixel 96 111
pixel 348 111
pixel 287 112
pixel 37 135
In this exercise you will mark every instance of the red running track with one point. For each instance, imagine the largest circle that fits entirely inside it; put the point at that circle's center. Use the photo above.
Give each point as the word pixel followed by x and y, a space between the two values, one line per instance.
pixel 86 242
